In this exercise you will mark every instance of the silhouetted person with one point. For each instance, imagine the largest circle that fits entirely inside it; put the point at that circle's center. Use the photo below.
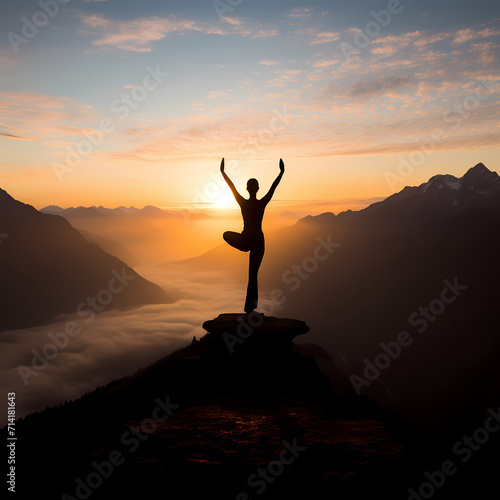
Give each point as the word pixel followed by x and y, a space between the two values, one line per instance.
pixel 252 237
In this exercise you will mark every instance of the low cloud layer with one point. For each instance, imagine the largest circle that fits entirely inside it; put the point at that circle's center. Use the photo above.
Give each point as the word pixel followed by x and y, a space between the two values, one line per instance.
pixel 114 344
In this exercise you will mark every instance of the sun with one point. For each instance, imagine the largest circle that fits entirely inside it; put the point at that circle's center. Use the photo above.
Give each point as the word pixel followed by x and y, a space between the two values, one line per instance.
pixel 224 199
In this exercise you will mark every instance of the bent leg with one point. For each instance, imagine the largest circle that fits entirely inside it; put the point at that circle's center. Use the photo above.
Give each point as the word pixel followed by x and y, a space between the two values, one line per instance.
pixel 252 297
pixel 236 240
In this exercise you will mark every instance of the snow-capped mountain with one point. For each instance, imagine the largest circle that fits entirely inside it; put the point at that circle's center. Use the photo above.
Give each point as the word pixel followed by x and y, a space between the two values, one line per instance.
pixel 478 187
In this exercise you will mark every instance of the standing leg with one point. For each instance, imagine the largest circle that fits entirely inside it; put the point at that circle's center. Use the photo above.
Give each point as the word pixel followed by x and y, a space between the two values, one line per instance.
pixel 252 298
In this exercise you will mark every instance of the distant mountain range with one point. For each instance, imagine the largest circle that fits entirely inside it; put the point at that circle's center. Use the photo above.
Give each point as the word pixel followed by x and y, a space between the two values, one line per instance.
pixel 47 267
pixel 479 188
pixel 148 211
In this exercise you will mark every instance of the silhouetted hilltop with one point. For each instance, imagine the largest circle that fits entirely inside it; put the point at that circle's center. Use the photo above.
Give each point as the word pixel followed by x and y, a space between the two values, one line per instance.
pixel 232 407
pixel 47 267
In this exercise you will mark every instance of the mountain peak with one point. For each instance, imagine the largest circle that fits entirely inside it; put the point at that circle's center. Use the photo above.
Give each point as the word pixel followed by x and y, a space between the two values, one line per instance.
pixel 479 172
pixel 478 178
pixel 478 187
pixel 480 167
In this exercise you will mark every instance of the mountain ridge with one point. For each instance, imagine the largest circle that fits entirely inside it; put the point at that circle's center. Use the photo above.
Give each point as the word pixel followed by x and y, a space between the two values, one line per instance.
pixel 47 268
pixel 477 186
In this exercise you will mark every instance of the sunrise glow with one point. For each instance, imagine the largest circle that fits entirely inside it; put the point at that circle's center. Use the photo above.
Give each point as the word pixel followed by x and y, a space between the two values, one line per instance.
pixel 111 103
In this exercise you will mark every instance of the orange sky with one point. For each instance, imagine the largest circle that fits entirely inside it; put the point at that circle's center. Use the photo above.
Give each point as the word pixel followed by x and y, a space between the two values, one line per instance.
pixel 135 105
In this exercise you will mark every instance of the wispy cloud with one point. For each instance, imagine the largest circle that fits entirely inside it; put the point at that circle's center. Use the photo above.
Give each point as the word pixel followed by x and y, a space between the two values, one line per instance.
pixel 136 35
pixel 14 136
pixel 402 39
pixel 299 12
pixel 425 40
pixel 269 62
pixel 326 62
pixel 325 37
pixel 470 34
pixel 33 116
pixel 265 33
pixel 215 94
pixel 380 86
pixel 232 20
pixel 386 51
pixel 140 35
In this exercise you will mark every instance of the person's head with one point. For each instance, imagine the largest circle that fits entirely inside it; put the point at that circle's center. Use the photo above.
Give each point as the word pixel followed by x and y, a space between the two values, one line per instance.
pixel 252 186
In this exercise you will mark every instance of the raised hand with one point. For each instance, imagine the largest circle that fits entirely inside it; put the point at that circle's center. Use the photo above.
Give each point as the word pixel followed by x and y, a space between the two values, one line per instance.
pixel 222 165
pixel 282 166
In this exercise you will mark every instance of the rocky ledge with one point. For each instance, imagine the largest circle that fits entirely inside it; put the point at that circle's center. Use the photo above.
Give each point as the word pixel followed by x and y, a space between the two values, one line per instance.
pixel 235 330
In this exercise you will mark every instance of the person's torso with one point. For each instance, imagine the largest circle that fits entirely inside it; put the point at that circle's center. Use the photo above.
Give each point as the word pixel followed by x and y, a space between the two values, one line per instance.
pixel 253 213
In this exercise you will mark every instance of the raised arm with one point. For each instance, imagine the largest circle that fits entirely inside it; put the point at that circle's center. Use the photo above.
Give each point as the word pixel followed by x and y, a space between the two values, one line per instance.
pixel 237 195
pixel 270 193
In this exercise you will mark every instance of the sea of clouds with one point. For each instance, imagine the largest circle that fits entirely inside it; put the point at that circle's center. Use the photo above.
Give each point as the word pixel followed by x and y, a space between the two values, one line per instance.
pixel 116 343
